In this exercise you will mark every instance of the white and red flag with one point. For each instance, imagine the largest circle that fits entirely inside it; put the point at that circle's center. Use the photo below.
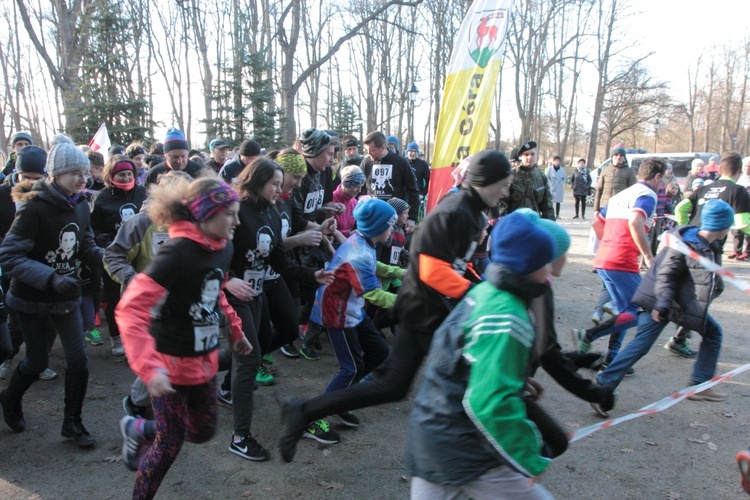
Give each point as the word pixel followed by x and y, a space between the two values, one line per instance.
pixel 101 142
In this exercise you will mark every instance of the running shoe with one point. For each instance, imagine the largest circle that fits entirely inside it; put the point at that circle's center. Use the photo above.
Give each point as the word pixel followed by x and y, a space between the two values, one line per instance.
pixel 579 340
pixel 48 374
pixel 131 409
pixel 289 351
pixel 599 410
pixel 743 462
pixel 93 337
pixel 681 349
pixel 610 309
pixel 134 443
pixel 596 318
pixel 308 353
pixel 348 419
pixel 321 432
pixel 263 377
pixel 117 348
pixel 249 449
pixel 224 398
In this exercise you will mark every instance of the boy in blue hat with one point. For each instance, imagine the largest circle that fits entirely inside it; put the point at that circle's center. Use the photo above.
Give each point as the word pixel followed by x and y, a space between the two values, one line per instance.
pixel 469 432
pixel 340 306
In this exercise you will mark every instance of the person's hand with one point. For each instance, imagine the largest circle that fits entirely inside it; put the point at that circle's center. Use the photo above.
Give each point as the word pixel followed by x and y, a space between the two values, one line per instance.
pixel 65 285
pixel 334 208
pixel 656 316
pixel 310 238
pixel 324 277
pixel 240 289
pixel 410 224
pixel 328 226
pixel 649 260
pixel 534 389
pixel 242 346
pixel 159 385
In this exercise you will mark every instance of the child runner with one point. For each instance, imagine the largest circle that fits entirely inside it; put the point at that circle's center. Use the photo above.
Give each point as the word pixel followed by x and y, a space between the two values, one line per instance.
pixel 469 432
pixel 170 322
pixel 42 252
pixel 339 306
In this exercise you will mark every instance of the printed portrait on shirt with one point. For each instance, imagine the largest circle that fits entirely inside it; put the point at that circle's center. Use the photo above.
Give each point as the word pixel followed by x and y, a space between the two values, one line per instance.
pixel 64 258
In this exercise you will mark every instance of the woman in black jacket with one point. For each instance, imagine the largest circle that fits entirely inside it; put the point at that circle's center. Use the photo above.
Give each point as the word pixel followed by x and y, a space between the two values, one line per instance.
pixel 120 199
pixel 42 254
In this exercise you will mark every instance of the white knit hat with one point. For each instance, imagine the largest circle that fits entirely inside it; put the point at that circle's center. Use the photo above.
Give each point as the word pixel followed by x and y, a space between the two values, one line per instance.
pixel 65 157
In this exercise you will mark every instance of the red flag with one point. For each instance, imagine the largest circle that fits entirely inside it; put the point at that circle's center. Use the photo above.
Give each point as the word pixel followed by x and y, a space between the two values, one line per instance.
pixel 101 142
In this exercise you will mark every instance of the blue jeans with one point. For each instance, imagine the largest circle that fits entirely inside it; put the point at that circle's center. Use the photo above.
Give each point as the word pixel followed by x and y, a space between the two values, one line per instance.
pixel 621 286
pixel 648 331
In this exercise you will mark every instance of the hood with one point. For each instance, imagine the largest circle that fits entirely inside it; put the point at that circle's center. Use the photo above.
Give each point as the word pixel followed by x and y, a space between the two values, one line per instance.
pixel 27 190
pixel 186 229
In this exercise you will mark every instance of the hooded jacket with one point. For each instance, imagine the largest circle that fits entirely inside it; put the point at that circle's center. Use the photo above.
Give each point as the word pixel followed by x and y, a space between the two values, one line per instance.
pixel 169 314
pixel 678 286
pixel 48 236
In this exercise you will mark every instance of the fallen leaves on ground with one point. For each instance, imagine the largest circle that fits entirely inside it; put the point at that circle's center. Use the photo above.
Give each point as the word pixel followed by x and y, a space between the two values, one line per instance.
pixel 331 485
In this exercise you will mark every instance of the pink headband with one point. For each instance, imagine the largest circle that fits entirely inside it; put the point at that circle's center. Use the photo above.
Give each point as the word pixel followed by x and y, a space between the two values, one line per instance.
pixel 122 165
pixel 213 202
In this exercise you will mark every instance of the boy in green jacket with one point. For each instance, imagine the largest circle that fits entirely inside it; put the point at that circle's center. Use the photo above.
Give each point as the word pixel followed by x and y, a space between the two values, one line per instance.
pixel 469 431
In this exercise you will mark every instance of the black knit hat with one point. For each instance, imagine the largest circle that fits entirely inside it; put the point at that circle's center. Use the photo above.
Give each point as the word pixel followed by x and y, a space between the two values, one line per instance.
pixel 31 159
pixel 488 167
pixel 20 136
pixel 313 142
pixel 249 148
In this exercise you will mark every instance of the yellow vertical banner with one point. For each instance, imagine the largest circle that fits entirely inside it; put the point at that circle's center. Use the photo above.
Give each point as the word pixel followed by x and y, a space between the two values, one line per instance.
pixel 469 91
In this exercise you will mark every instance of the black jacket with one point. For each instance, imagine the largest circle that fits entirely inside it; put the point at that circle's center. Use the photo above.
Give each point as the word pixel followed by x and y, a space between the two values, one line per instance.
pixel 678 285
pixel 422 173
pixel 392 177
pixel 7 206
pixel 112 206
pixel 48 236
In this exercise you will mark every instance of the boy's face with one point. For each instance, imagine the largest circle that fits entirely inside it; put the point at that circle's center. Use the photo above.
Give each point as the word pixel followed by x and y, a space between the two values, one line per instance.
pixel 540 275
pixel 403 217
pixel 383 237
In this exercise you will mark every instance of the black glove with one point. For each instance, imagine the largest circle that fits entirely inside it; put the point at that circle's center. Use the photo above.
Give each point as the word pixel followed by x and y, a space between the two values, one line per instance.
pixel 65 285
pixel 103 240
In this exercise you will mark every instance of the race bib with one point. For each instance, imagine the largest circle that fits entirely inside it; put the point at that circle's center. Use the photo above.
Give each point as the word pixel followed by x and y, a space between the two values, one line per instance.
pixel 206 337
pixel 395 253
pixel 254 278
pixel 157 240
pixel 313 201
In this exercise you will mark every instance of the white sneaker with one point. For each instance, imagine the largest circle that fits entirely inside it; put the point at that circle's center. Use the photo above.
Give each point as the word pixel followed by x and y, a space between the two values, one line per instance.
pixel 5 369
pixel 117 349
pixel 596 318
pixel 48 374
pixel 610 309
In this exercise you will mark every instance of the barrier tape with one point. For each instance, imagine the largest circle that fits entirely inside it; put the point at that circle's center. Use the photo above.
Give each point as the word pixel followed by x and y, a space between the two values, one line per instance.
pixel 680 246
pixel 658 406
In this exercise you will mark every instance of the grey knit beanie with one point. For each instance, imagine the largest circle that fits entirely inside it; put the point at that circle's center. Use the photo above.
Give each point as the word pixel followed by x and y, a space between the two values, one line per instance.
pixel 313 142
pixel 65 157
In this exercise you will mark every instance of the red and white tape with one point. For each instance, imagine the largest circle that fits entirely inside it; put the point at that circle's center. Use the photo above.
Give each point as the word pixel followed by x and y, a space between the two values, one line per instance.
pixel 658 406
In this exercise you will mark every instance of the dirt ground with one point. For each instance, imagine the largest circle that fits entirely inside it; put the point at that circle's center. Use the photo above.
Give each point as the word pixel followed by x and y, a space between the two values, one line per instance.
pixel 686 452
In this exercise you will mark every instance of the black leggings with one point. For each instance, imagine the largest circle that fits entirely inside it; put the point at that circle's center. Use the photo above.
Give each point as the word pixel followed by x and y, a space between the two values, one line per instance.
pixel 388 383
pixel 279 308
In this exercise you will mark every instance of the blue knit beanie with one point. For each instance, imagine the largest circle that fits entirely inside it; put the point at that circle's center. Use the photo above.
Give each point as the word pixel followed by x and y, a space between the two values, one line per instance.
pixel 374 217
pixel 392 139
pixel 716 215
pixel 559 234
pixel 175 139
pixel 520 245
pixel 412 146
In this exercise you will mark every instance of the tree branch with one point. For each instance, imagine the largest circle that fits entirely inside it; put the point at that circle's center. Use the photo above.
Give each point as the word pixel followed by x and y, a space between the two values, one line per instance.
pixel 59 80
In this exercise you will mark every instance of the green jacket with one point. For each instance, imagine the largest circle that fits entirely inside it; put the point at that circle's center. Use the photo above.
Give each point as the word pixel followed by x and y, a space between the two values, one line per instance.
pixel 133 248
pixel 530 189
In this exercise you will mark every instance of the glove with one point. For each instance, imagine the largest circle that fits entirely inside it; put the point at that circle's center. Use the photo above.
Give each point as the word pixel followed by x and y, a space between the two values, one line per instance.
pixel 65 285
pixel 103 240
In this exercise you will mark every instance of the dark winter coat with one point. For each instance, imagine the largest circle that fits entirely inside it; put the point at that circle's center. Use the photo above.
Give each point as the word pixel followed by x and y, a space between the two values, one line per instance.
pixel 679 286
pixel 580 181
pixel 612 180
pixel 38 245
pixel 112 206
pixel 7 206
pixel 392 177
pixel 154 172
pixel 422 172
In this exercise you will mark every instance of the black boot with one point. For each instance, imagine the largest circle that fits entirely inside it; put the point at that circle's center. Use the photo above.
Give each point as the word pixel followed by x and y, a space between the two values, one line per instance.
pixel 75 392
pixel 11 397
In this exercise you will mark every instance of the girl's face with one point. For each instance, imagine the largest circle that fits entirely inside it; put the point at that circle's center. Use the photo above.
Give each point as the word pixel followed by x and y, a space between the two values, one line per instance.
pixel 123 176
pixel 272 189
pixel 403 217
pixel 221 226
pixel 138 160
pixel 71 182
pixel 674 191
pixel 351 192
pixel 291 182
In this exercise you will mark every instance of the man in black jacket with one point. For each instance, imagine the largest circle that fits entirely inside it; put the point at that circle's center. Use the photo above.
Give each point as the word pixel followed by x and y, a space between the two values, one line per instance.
pixel 678 288
pixel 420 167
pixel 175 157
pixel 387 175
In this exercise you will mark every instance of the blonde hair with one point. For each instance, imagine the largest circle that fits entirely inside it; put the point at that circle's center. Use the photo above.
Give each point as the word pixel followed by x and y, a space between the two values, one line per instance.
pixel 170 198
